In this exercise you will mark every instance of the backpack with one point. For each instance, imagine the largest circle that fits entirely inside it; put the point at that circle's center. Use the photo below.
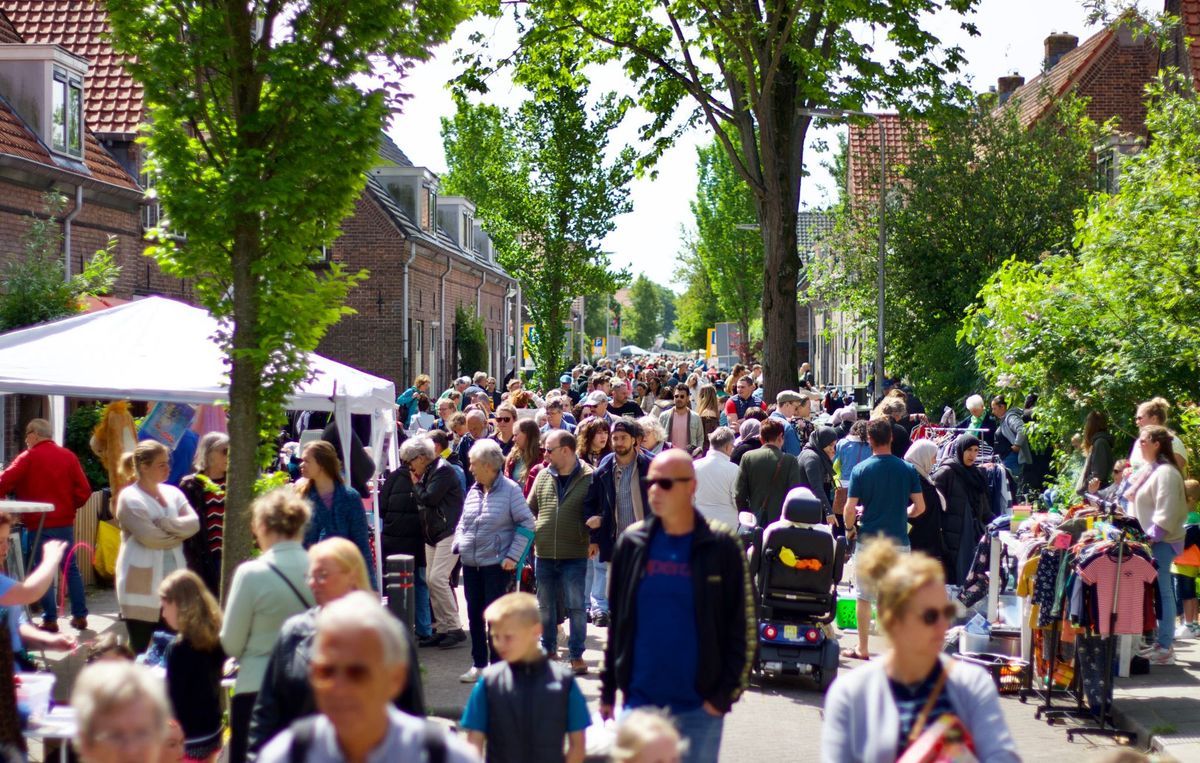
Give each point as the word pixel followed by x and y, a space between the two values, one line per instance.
pixel 304 730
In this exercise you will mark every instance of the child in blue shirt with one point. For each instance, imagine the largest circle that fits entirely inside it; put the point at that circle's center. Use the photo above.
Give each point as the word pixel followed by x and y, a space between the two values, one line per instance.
pixel 521 708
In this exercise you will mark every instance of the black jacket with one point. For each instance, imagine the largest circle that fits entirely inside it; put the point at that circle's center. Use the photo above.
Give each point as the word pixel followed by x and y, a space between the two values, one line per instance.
pixel 968 512
pixel 401 517
pixel 744 447
pixel 362 468
pixel 286 694
pixel 925 531
pixel 601 500
pixel 725 623
pixel 439 488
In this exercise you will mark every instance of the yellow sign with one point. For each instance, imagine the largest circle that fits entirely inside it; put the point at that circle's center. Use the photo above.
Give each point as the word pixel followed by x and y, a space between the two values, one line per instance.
pixel 599 347
pixel 710 351
pixel 528 333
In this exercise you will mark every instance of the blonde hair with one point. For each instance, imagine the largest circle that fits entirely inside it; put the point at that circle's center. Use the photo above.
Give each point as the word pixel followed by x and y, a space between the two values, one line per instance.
pixel 517 607
pixel 1191 489
pixel 146 452
pixel 1157 407
pixel 345 555
pixel 280 511
pixel 895 577
pixel 199 615
pixel 640 728
pixel 126 471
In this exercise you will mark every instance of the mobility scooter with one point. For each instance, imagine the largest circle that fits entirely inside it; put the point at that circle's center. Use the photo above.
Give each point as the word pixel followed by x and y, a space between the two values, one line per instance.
pixel 797 566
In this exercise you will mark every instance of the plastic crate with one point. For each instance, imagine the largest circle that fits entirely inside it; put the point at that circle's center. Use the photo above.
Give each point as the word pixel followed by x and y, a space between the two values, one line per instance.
pixel 1010 674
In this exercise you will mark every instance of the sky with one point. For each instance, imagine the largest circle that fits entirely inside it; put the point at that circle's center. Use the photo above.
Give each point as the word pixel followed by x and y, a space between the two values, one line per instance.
pixel 647 239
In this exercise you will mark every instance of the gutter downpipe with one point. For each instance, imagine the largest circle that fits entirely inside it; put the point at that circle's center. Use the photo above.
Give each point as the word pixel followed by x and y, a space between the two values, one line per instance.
pixel 479 293
pixel 518 338
pixel 442 324
pixel 407 359
pixel 67 231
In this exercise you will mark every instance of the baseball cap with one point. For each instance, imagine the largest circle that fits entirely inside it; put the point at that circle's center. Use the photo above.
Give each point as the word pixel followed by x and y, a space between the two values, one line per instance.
pixel 597 397
pixel 564 379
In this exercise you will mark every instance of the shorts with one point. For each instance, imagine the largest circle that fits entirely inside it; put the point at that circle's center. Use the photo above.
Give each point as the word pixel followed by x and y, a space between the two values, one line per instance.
pixel 1185 587
pixel 861 593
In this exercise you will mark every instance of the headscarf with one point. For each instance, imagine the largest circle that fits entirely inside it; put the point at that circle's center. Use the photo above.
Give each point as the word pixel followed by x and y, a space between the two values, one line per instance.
pixel 972 476
pixel 922 454
pixel 749 428
pixel 818 441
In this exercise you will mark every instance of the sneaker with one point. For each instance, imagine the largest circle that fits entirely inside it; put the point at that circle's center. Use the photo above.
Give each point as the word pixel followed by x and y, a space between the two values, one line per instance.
pixel 79 623
pixel 471 676
pixel 49 626
pixel 601 620
pixel 579 667
pixel 452 639
pixel 1184 631
pixel 1194 629
pixel 431 640
pixel 1162 656
pixel 1146 648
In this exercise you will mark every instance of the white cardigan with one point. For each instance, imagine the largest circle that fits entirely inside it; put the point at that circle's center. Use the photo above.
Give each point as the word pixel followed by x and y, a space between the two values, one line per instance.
pixel 1161 500
pixel 149 532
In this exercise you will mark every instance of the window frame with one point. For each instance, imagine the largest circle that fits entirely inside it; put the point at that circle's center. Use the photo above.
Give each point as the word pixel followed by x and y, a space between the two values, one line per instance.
pixel 69 85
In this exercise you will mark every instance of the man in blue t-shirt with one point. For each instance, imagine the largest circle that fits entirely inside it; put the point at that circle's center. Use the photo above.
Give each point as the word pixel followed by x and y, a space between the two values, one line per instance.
pixel 889 491
pixel 679 635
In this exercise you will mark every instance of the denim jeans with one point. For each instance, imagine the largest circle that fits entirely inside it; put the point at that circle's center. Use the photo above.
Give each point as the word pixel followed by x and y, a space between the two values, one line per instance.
pixel 1164 555
pixel 74 580
pixel 703 733
pixel 598 589
pixel 482 586
pixel 422 614
pixel 567 576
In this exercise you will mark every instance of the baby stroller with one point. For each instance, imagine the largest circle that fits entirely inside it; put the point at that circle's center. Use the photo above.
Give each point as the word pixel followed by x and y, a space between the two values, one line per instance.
pixel 797 575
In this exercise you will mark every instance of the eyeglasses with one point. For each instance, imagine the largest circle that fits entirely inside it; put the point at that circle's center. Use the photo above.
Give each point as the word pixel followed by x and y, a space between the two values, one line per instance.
pixel 323 673
pixel 503 419
pixel 666 483
pixel 125 739
pixel 933 614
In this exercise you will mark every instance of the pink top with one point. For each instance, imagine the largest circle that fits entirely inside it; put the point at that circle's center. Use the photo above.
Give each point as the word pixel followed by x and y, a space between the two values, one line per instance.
pixel 679 429
pixel 1136 572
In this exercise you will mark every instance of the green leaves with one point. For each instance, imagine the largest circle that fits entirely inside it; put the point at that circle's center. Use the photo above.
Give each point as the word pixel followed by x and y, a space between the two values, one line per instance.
pixel 644 320
pixel 34 287
pixel 1115 322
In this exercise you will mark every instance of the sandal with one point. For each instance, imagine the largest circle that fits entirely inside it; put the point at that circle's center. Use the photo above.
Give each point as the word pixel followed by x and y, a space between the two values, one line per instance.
pixel 854 654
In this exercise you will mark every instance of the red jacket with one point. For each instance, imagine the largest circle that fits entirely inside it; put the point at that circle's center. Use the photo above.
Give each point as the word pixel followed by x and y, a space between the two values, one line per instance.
pixel 50 474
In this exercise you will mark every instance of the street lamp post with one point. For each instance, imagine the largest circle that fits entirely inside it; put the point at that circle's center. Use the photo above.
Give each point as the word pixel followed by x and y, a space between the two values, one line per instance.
pixel 841 114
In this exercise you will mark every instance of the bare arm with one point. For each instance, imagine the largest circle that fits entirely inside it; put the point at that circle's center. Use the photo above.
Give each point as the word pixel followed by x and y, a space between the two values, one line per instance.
pixel 35 585
pixel 918 505
pixel 576 749
pixel 850 512
pixel 477 738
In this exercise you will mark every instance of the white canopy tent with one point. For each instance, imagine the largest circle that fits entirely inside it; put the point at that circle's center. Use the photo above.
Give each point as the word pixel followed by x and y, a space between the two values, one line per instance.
pixel 157 349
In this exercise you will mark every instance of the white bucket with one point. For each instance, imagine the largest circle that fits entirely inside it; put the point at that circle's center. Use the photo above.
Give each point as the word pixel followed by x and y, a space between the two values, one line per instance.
pixel 971 642
pixel 35 690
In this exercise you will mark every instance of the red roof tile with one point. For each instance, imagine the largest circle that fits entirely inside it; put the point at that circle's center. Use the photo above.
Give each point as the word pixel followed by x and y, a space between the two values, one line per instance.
pixel 114 99
pixel 1033 99
pixel 900 134
pixel 8 32
pixel 17 139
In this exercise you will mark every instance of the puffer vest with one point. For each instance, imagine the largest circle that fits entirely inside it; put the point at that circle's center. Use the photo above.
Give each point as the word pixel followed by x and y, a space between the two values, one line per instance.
pixel 527 711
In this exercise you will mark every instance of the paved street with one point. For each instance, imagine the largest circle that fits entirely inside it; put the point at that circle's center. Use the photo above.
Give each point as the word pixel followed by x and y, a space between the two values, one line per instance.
pixel 777 719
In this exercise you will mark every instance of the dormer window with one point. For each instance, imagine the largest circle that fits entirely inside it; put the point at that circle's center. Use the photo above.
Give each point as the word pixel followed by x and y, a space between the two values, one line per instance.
pixel 66 128
pixel 468 228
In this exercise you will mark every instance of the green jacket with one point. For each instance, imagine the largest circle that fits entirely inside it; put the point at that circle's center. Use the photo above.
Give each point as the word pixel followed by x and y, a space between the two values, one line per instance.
pixel 765 477
pixel 560 532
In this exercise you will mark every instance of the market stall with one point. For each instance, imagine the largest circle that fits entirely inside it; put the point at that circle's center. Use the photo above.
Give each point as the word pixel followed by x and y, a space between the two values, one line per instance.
pixel 157 349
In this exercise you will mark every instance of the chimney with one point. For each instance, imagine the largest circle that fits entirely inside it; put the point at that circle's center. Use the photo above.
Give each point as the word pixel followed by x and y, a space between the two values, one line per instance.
pixel 1006 86
pixel 1058 45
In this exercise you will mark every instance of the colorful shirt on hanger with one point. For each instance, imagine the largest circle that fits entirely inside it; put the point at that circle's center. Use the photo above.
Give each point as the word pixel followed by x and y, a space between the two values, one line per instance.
pixel 1135 573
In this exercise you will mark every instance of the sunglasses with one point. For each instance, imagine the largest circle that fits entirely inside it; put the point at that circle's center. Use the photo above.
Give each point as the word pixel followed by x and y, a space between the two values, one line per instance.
pixel 323 673
pixel 933 614
pixel 666 483
pixel 503 419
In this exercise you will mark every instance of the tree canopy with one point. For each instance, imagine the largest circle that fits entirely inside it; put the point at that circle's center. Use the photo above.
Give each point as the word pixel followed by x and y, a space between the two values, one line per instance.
pixel 260 130
pixel 644 320
pixel 547 194
pixel 746 71
pixel 1112 323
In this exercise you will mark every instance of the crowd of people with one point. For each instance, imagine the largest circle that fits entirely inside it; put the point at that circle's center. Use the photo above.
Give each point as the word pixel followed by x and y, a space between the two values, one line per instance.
pixel 613 498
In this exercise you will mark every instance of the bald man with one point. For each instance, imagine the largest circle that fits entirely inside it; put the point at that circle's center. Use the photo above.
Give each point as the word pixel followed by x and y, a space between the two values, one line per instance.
pixel 681 631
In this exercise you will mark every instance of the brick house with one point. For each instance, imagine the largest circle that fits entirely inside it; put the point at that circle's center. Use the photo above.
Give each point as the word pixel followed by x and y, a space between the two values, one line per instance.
pixel 1182 54
pixel 427 256
pixel 452 265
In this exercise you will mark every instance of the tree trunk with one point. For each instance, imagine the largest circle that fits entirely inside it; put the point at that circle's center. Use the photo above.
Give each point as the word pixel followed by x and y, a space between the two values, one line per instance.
pixel 244 378
pixel 780 260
